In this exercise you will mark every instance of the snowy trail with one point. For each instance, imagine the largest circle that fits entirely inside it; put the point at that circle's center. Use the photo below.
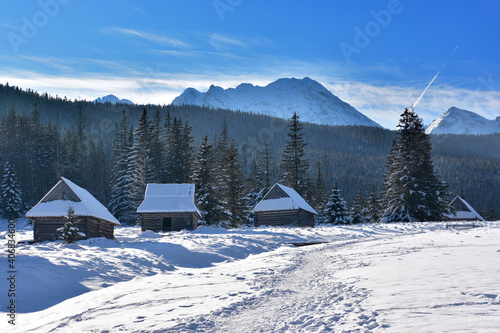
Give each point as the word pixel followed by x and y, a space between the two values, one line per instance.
pixel 305 297
pixel 371 278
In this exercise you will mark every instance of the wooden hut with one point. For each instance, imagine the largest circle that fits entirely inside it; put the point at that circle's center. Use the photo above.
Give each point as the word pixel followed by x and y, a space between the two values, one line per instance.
pixel 283 206
pixel 169 207
pixel 94 220
pixel 463 211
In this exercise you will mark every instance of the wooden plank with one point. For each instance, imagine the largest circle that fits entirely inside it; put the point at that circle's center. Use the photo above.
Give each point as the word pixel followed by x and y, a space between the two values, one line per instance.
pixel 61 192
pixel 275 193
pixel 180 221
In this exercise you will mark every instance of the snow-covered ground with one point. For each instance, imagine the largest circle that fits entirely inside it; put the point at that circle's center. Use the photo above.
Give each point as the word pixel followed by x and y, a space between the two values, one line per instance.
pixel 373 277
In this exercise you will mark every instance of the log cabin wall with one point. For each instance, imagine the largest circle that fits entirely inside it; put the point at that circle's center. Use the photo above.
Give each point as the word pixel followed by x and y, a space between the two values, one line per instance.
pixel 45 228
pixel 305 219
pixel 180 221
pixel 276 218
pixel 299 218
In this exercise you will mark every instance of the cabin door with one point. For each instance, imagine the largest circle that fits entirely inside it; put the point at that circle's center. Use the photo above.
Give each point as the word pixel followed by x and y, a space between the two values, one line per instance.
pixel 167 224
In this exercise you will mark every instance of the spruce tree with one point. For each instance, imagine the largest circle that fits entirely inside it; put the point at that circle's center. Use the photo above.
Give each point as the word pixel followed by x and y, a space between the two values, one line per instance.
pixel 120 202
pixel 318 197
pixel 12 206
pixel 180 150
pixel 220 172
pixel 139 162
pixel 233 187
pixel 203 178
pixel 69 232
pixel 358 209
pixel 293 162
pixel 157 169
pixel 266 167
pixel 335 210
pixel 412 189
pixel 373 208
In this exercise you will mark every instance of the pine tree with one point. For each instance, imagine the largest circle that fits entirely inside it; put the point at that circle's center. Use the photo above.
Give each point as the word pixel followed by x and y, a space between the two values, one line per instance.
pixel 180 152
pixel 120 202
pixel 358 209
pixel 203 178
pixel 233 187
pixel 373 208
pixel 139 161
pixel 12 206
pixel 292 160
pixel 69 232
pixel 220 172
pixel 266 167
pixel 318 197
pixel 75 150
pixel 335 210
pixel 157 169
pixel 412 189
pixel 254 185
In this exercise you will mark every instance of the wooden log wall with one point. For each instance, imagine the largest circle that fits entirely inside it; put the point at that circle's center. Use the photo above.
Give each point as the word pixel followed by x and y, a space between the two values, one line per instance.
pixel 180 221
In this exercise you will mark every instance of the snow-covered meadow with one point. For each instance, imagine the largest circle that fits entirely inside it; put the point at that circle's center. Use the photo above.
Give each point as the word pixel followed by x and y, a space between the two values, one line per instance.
pixel 370 277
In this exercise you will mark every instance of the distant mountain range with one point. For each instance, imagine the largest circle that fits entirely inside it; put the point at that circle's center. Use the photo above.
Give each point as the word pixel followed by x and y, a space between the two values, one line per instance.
pixel 458 121
pixel 113 99
pixel 311 100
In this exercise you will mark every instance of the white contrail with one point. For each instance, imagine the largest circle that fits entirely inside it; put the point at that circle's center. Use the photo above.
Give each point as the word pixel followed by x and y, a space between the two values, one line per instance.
pixel 435 76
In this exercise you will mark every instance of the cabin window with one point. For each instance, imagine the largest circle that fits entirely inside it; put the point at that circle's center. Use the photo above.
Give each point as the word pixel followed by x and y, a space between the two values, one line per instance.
pixel 166 224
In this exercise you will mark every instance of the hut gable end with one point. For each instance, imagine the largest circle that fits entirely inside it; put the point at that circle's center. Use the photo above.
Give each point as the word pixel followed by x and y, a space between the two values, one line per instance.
pixel 275 193
pixel 61 191
pixel 463 211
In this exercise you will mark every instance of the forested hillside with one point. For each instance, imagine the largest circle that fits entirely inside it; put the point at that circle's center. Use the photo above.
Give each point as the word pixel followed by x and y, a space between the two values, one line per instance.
pixel 46 137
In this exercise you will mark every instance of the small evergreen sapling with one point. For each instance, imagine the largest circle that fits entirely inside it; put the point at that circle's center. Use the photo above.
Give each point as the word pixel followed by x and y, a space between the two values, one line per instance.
pixel 69 232
pixel 335 210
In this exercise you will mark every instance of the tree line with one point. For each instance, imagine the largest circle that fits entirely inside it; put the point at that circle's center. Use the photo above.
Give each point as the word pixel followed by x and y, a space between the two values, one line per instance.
pixel 80 135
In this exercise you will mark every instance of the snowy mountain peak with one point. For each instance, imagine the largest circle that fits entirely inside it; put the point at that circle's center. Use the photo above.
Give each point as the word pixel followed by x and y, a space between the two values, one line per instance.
pixel 311 100
pixel 112 99
pixel 458 121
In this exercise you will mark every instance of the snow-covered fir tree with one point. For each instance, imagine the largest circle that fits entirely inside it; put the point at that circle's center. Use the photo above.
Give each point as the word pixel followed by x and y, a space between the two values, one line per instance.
pixel 255 185
pixel 412 189
pixel 266 167
pixel 373 207
pixel 69 232
pixel 335 210
pixel 293 162
pixel 220 171
pixel 179 152
pixel 156 150
pixel 139 162
pixel 12 206
pixel 234 187
pixel 318 195
pixel 120 202
pixel 358 208
pixel 203 178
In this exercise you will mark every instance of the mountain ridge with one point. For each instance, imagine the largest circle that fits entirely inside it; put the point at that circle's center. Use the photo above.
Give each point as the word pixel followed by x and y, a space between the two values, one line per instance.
pixel 311 100
pixel 112 99
pixel 460 121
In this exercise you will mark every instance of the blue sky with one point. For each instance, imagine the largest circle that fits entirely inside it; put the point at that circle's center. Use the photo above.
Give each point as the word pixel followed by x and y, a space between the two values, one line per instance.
pixel 376 55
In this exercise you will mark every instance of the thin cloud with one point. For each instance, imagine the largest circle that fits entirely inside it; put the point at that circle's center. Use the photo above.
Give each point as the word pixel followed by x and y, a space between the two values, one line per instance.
pixel 158 39
pixel 222 42
pixel 49 61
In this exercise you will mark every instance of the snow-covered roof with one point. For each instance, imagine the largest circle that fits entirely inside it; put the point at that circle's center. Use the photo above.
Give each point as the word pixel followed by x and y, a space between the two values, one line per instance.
pixel 291 201
pixel 469 214
pixel 84 205
pixel 169 198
